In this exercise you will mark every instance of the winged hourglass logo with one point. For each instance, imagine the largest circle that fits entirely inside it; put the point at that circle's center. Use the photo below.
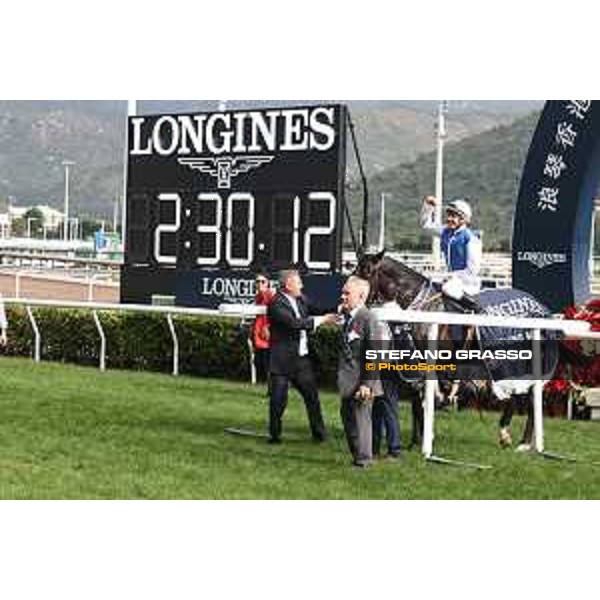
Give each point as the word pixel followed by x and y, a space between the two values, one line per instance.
pixel 225 168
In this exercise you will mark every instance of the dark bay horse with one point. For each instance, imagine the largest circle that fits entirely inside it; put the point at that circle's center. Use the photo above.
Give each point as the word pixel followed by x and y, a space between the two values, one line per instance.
pixel 393 280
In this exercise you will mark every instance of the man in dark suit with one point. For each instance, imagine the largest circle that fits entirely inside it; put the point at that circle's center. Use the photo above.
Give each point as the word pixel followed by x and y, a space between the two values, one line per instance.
pixel 290 362
pixel 358 387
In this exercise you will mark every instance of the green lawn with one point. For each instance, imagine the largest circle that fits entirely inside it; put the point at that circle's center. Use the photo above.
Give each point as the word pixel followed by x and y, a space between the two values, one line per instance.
pixel 70 432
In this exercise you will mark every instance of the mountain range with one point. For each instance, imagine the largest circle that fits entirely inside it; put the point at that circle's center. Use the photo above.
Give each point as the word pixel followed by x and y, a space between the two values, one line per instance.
pixel 485 168
pixel 36 136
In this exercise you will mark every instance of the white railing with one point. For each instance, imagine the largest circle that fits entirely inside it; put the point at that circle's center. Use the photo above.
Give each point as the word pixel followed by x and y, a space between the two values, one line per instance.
pixel 53 261
pixel 496 267
pixel 95 307
pixel 87 282
pixel 572 329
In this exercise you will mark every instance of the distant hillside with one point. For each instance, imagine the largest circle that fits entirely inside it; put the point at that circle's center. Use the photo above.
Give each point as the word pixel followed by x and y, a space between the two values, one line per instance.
pixel 485 168
pixel 395 132
pixel 36 136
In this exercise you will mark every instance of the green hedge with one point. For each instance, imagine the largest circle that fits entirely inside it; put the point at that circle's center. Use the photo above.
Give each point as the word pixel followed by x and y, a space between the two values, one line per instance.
pixel 208 347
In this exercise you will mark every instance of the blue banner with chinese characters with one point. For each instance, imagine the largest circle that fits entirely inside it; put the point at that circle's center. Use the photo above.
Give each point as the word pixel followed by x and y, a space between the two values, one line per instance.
pixel 554 214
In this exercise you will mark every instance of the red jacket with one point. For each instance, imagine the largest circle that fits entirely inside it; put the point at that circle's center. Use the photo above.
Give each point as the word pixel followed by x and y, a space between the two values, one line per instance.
pixel 261 331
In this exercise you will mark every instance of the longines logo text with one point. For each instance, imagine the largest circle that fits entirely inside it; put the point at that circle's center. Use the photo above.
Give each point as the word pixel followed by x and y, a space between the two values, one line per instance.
pixel 242 289
pixel 542 259
pixel 253 132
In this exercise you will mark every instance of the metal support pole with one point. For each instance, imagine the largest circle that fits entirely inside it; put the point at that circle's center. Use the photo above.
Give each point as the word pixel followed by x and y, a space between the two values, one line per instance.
pixel 131 112
pixel 429 401
pixel 91 281
pixel 382 223
pixel 37 337
pixel 175 345
pixel 439 179
pixel 538 391
pixel 102 342
pixel 67 164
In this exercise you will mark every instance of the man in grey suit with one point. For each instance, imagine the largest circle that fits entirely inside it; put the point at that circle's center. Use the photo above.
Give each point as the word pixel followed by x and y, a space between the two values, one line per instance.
pixel 361 331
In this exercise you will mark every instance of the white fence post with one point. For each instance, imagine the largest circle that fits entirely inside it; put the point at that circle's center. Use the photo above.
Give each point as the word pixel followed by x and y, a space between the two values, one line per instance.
pixel 175 345
pixel 37 338
pixel 570 406
pixel 90 295
pixel 18 284
pixel 429 401
pixel 538 391
pixel 253 377
pixel 102 342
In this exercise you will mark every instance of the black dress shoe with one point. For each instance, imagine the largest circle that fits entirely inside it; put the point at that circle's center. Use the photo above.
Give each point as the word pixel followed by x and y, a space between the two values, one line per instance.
pixel 319 439
pixel 274 441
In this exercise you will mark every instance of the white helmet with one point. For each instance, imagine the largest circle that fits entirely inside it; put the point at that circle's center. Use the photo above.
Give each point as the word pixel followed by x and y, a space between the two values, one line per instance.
pixel 462 208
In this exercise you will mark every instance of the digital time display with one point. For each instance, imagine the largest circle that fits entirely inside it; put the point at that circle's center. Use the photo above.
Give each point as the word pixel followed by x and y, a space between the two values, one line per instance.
pixel 222 195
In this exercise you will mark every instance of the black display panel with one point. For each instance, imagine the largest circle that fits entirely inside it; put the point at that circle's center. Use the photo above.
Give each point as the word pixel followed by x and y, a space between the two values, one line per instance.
pixel 232 193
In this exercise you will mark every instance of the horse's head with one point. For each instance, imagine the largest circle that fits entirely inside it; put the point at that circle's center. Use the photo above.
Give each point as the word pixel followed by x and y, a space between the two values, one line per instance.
pixel 389 278
pixel 368 265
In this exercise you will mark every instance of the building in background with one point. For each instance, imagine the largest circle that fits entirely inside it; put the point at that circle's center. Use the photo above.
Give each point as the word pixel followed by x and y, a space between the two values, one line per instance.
pixel 25 221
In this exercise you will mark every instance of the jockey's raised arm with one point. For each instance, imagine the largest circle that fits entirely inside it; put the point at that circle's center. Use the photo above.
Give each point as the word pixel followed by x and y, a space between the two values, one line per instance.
pixel 428 219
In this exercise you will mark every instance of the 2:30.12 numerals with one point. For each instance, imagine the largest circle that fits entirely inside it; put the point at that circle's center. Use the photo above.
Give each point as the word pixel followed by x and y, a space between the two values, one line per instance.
pixel 216 206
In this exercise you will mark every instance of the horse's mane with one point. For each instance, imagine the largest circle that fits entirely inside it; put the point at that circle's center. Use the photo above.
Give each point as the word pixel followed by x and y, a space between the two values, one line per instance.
pixel 388 276
pixel 407 282
pixel 402 271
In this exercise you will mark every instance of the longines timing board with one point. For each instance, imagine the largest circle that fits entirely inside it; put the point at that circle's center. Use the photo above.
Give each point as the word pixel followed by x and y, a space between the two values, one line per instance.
pixel 214 197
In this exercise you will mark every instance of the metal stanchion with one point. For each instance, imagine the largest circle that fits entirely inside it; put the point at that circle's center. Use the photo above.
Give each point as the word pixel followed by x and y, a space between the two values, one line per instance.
pixel 37 336
pixel 102 342
pixel 175 345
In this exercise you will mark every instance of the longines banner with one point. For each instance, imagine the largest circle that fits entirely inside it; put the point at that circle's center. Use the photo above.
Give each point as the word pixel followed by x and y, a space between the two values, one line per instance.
pixel 554 216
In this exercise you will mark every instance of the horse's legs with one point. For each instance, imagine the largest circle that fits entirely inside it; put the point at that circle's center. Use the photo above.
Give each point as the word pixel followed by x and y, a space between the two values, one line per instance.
pixel 527 438
pixel 504 434
pixel 418 418
pixel 507 413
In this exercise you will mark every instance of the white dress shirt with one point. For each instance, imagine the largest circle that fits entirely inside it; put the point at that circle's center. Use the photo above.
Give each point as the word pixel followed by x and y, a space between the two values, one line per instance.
pixel 303 350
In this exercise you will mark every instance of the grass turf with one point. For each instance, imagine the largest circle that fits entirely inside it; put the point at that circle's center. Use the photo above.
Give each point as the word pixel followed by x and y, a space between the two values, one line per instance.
pixel 68 432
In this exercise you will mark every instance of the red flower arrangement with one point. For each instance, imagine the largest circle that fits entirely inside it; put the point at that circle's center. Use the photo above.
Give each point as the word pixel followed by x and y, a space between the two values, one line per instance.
pixel 572 377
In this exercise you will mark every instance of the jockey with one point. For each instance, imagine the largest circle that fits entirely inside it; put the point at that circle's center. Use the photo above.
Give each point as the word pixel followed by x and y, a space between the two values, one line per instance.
pixel 460 245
